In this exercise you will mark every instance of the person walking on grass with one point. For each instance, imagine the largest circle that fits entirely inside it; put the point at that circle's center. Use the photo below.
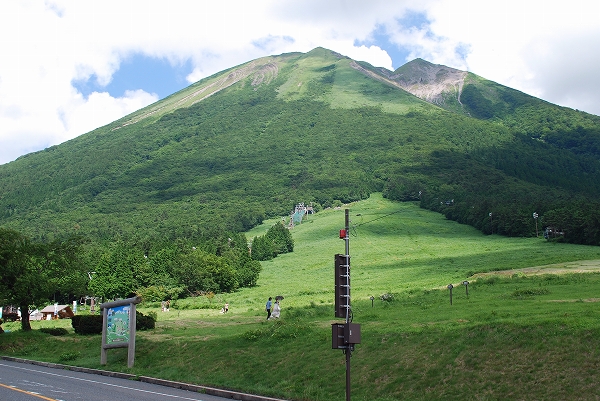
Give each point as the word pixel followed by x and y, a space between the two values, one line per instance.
pixel 276 310
pixel 268 308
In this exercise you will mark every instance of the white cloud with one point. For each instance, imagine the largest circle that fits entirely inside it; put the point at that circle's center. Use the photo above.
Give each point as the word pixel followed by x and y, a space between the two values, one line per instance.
pixel 45 48
pixel 547 49
pixel 372 54
pixel 83 115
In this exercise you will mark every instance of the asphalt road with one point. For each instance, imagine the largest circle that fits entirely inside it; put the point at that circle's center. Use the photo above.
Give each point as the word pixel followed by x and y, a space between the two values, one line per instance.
pixel 27 382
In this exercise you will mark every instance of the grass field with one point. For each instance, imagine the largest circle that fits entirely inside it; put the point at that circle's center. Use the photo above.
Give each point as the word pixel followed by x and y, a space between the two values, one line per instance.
pixel 524 335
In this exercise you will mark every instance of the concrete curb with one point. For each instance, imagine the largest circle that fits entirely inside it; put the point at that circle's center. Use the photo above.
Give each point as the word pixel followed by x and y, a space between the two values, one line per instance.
pixel 234 395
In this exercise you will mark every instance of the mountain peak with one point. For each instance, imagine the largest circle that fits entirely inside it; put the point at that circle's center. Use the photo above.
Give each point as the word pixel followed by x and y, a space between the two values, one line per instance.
pixel 429 81
pixel 323 52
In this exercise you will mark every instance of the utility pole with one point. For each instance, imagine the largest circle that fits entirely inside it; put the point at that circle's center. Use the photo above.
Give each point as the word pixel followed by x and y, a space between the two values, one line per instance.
pixel 344 336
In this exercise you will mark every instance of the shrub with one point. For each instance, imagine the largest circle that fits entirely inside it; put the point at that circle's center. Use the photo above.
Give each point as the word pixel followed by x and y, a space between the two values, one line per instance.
pixel 145 322
pixel 153 315
pixel 92 324
pixel 55 331
pixel 87 324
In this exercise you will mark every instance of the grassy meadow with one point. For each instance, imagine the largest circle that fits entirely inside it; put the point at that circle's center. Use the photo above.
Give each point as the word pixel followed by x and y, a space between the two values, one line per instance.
pixel 515 336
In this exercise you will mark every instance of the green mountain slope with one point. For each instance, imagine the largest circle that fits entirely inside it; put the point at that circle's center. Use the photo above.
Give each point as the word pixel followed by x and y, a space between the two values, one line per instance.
pixel 250 142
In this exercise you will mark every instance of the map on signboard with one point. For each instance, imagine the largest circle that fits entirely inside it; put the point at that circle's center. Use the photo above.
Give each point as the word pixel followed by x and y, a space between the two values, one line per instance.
pixel 117 325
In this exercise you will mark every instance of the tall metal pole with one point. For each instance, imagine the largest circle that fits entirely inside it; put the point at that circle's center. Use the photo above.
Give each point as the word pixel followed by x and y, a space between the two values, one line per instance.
pixel 349 349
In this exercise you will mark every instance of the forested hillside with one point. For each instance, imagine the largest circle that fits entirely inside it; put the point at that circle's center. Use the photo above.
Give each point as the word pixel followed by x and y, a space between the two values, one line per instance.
pixel 251 142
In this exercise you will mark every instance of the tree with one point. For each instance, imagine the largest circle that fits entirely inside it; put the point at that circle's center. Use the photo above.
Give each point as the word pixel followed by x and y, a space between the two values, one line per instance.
pixel 281 238
pixel 114 273
pixel 153 280
pixel 262 248
pixel 30 273
pixel 276 240
pixel 199 272
pixel 12 258
pixel 247 270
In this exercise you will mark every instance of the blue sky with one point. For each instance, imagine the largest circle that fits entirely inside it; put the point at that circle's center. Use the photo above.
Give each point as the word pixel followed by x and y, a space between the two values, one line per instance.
pixel 153 75
pixel 381 37
pixel 71 66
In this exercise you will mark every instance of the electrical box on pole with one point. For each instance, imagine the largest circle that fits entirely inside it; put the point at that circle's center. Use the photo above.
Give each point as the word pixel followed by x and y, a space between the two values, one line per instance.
pixel 352 333
pixel 345 335
pixel 338 340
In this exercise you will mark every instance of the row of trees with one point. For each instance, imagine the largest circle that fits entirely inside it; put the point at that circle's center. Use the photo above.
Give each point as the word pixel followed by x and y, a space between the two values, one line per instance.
pixel 173 269
pixel 34 273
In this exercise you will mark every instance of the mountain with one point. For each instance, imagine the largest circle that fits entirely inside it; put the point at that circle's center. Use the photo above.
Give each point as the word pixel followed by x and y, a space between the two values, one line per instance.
pixel 252 141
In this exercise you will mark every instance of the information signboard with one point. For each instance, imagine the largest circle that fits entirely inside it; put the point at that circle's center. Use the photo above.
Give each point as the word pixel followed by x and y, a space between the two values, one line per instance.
pixel 118 327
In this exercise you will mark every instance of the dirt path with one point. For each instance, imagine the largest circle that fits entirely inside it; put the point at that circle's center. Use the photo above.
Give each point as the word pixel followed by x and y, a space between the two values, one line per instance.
pixel 579 266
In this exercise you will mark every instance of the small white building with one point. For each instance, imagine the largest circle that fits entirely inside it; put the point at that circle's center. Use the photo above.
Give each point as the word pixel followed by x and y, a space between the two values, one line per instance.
pixel 57 312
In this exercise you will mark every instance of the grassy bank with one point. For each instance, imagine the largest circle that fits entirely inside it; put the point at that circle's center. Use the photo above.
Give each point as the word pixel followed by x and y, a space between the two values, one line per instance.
pixel 514 336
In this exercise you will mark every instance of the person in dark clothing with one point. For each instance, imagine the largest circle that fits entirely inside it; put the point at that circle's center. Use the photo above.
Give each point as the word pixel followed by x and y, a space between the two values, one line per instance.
pixel 268 308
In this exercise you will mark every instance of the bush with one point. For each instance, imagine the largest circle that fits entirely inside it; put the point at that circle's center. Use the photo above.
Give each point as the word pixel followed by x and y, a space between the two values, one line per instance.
pixel 55 331
pixel 145 322
pixel 92 324
pixel 87 324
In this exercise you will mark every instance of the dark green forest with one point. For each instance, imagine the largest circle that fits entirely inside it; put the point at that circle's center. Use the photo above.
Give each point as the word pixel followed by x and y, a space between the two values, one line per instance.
pixel 300 128
pixel 34 272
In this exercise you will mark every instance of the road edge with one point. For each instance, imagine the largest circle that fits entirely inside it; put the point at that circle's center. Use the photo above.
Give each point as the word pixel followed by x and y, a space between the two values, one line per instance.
pixel 234 395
